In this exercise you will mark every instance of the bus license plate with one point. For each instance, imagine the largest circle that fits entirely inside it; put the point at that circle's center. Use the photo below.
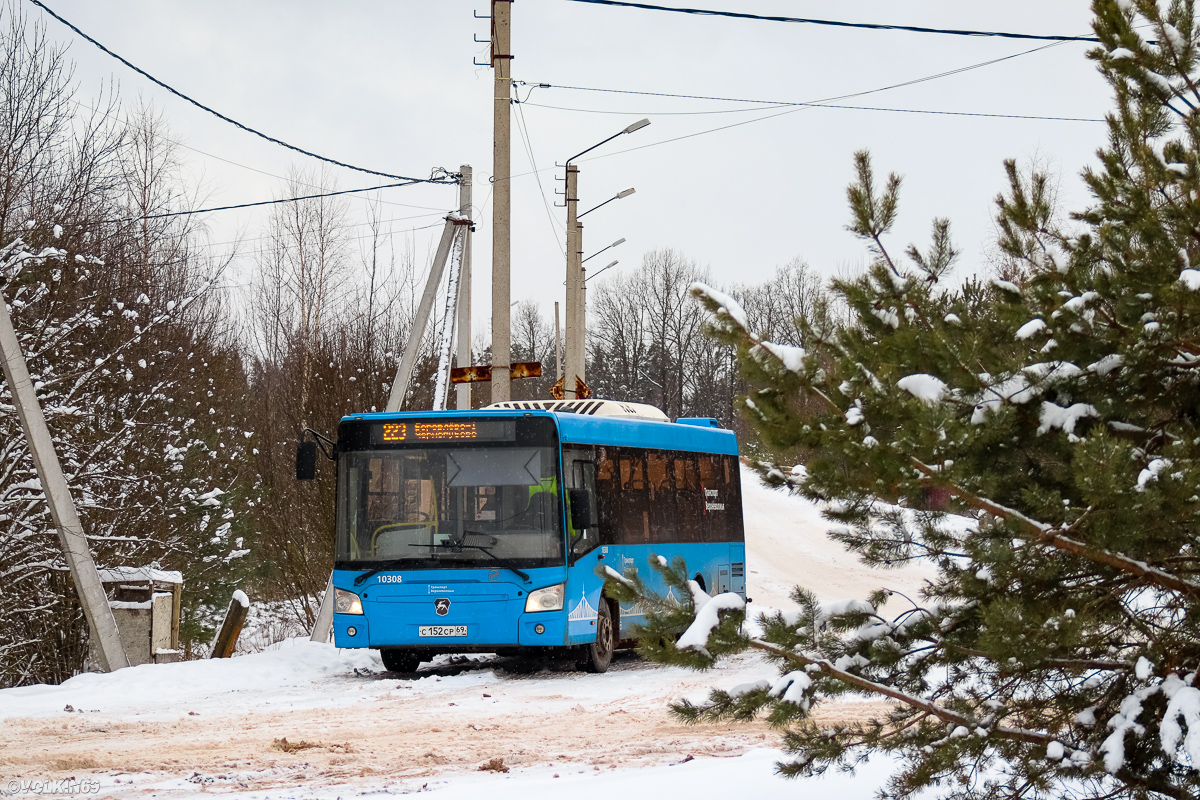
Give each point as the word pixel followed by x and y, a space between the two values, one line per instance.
pixel 441 630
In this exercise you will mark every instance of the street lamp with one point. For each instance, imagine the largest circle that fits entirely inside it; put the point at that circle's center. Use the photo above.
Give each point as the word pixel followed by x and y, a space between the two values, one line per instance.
pixel 598 252
pixel 576 302
pixel 617 196
pixel 597 272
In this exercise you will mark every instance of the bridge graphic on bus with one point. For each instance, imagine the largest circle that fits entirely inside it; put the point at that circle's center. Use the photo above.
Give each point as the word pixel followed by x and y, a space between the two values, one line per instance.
pixel 583 610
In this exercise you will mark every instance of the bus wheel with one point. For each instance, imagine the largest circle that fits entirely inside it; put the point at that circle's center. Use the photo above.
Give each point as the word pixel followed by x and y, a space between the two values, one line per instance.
pixel 400 660
pixel 599 654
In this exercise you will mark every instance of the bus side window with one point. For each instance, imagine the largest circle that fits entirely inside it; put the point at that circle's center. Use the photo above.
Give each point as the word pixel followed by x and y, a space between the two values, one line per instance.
pixel 634 499
pixel 712 484
pixel 735 529
pixel 689 503
pixel 608 488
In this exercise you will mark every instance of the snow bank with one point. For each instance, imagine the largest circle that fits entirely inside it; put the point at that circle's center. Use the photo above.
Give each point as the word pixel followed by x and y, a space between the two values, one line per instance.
pixel 280 677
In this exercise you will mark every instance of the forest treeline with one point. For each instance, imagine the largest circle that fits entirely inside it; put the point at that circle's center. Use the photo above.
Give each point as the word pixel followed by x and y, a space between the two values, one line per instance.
pixel 175 402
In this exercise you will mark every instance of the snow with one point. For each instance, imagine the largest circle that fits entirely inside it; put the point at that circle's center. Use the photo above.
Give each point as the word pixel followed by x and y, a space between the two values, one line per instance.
pixel 707 617
pixel 1055 416
pixel 1191 279
pixel 1007 286
pixel 790 356
pixel 1021 387
pixel 1150 473
pixel 923 387
pixel 888 317
pixel 793 688
pixel 1183 703
pixel 1030 328
pixel 787 543
pixel 1055 751
pixel 140 575
pixel 1122 52
pixel 240 598
pixel 728 306
pixel 1107 364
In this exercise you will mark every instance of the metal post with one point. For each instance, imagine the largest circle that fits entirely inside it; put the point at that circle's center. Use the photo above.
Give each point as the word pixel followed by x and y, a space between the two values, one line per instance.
pixel 58 497
pixel 464 284
pixel 324 624
pixel 411 350
pixel 501 283
pixel 573 368
pixel 557 345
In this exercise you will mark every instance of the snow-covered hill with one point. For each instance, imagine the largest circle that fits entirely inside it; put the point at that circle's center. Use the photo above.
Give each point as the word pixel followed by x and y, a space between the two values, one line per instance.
pixel 786 544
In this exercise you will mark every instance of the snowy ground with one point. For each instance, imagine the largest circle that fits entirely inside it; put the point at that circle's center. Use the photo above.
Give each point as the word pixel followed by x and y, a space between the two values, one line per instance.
pixel 306 720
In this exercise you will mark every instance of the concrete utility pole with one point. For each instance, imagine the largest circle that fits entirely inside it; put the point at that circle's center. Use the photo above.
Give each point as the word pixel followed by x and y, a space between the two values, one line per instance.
pixel 464 284
pixel 58 496
pixel 574 365
pixel 557 345
pixel 501 196
pixel 412 349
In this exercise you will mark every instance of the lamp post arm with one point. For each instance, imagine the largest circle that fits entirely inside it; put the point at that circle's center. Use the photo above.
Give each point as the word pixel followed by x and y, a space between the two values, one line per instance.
pixel 593 147
pixel 593 208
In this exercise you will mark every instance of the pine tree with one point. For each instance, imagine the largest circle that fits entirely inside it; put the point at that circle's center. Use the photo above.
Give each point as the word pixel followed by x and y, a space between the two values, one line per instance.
pixel 1037 440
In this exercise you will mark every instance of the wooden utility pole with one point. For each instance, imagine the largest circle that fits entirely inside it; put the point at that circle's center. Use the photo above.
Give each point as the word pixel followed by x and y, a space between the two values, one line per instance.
pixel 501 197
pixel 574 367
pixel 464 286
pixel 58 497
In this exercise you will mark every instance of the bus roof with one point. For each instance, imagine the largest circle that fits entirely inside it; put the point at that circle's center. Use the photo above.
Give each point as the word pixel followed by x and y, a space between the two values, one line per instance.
pixel 615 431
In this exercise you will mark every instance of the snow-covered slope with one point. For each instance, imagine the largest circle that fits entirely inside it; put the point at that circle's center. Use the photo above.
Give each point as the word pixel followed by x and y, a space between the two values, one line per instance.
pixel 786 544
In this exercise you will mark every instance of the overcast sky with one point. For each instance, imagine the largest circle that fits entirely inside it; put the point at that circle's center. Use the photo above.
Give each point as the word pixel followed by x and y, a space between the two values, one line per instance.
pixel 392 86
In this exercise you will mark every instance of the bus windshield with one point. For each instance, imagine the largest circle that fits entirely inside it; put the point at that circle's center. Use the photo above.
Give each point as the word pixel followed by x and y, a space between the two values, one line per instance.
pixel 449 507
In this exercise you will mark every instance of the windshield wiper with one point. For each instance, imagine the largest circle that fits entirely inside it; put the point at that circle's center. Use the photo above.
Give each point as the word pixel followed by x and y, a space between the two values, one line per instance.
pixel 395 562
pixel 458 546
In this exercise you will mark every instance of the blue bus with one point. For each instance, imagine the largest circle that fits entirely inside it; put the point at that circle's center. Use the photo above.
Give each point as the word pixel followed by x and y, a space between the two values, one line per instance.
pixel 482 530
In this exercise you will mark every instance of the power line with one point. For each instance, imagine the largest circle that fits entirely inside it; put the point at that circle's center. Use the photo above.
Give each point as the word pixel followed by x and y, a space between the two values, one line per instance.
pixel 838 23
pixel 827 105
pixel 527 140
pixel 445 176
pixel 795 106
pixel 293 181
pixel 261 203
pixel 381 223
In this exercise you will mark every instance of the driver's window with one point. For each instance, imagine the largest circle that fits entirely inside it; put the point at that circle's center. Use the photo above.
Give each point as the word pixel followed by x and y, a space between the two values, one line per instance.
pixel 579 467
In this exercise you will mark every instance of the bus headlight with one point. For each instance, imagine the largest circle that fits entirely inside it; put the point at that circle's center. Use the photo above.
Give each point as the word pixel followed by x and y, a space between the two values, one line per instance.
pixel 548 599
pixel 346 602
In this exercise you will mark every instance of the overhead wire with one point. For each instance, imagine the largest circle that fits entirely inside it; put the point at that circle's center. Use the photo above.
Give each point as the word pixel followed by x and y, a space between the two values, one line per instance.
pixel 523 130
pixel 351 239
pixel 444 177
pixel 347 225
pixel 260 203
pixel 215 157
pixel 838 23
pixel 824 105
pixel 795 107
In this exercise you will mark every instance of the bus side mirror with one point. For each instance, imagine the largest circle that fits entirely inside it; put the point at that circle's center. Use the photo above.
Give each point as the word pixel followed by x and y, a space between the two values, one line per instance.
pixel 306 461
pixel 581 508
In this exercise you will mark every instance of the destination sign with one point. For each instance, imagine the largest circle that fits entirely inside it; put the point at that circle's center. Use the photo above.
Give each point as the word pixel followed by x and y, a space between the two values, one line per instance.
pixel 444 430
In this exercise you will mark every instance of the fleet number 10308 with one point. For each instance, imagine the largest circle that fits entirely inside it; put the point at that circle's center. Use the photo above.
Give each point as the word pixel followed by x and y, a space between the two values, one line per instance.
pixel 391 579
